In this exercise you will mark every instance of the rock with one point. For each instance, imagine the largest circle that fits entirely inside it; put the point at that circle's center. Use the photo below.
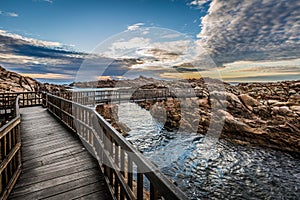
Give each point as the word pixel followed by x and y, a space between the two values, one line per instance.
pixel 249 102
pixel 124 128
pixel 295 108
pixel 272 102
pixel 233 125
pixel 291 92
pixel 14 82
pixel 284 110
pixel 263 114
pixel 204 103
pixel 275 110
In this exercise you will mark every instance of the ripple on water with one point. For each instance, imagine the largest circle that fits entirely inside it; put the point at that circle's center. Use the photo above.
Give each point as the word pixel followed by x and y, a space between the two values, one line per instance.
pixel 225 171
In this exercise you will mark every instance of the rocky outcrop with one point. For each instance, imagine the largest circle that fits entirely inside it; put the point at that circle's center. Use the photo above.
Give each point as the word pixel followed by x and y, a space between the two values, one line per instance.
pixel 264 114
pixel 14 82
pixel 110 113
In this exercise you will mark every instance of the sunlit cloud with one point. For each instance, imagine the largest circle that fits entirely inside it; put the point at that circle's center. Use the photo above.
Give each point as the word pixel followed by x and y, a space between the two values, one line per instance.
pixel 176 75
pixel 10 58
pixel 251 69
pixel 48 76
pixel 134 26
pixel 109 77
pixel 248 71
pixel 198 3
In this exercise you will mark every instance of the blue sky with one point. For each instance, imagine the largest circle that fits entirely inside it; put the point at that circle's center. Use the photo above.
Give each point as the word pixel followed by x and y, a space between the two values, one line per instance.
pixel 86 23
pixel 235 40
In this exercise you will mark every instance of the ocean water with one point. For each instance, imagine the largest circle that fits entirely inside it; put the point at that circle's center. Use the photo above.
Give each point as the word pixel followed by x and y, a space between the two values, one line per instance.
pixel 222 171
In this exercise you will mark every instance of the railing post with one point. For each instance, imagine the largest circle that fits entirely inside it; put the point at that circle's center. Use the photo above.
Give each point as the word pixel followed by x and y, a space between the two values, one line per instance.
pixel 44 100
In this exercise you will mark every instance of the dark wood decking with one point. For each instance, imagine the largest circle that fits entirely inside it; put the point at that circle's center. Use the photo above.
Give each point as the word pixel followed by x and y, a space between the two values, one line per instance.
pixel 55 164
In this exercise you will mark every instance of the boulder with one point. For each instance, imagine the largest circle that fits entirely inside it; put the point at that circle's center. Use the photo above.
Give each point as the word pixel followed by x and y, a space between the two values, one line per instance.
pixel 284 110
pixel 249 101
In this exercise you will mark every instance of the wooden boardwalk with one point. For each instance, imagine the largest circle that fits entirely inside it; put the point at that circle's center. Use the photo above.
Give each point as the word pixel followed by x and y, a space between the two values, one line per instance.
pixel 55 165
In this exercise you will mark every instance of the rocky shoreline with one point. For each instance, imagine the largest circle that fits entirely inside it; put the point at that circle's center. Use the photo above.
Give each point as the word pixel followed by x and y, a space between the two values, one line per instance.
pixel 263 114
pixel 14 82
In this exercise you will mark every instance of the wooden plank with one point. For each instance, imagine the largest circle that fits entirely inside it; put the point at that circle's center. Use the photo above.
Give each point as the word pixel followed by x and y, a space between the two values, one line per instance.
pixel 46 171
pixel 54 156
pixel 54 161
pixel 82 192
pixel 58 189
pixel 44 140
pixel 55 174
pixel 31 154
pixel 49 146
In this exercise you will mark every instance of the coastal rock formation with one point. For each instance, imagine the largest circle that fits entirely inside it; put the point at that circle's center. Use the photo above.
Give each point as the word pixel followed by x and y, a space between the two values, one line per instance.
pixel 14 82
pixel 264 114
pixel 109 113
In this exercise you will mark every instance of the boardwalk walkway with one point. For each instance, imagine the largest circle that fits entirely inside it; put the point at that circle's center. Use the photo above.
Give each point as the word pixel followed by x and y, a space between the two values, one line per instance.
pixel 55 164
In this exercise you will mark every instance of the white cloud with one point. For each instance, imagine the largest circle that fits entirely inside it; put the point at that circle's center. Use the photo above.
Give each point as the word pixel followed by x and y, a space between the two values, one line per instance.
pixel 29 60
pixel 31 41
pixel 198 3
pixel 134 26
pixel 251 30
pixel 48 1
pixel 124 48
pixel 171 36
pixel 12 14
pixel 137 42
pixel 177 46
pixel 9 14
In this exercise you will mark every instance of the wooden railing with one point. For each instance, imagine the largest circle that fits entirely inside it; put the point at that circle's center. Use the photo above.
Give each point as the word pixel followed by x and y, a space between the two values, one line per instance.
pixel 10 144
pixel 128 173
pixel 93 97
pixel 25 99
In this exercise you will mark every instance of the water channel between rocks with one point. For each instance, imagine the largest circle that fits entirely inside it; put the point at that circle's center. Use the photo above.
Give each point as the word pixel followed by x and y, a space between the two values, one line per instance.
pixel 226 171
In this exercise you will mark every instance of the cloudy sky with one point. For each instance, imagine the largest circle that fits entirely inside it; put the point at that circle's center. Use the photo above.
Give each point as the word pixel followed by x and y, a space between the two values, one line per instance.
pixel 237 40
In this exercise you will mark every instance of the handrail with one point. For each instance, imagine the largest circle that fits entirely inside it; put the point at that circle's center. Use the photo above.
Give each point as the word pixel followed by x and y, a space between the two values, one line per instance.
pixel 116 156
pixel 10 154
pixel 26 99
pixel 93 97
